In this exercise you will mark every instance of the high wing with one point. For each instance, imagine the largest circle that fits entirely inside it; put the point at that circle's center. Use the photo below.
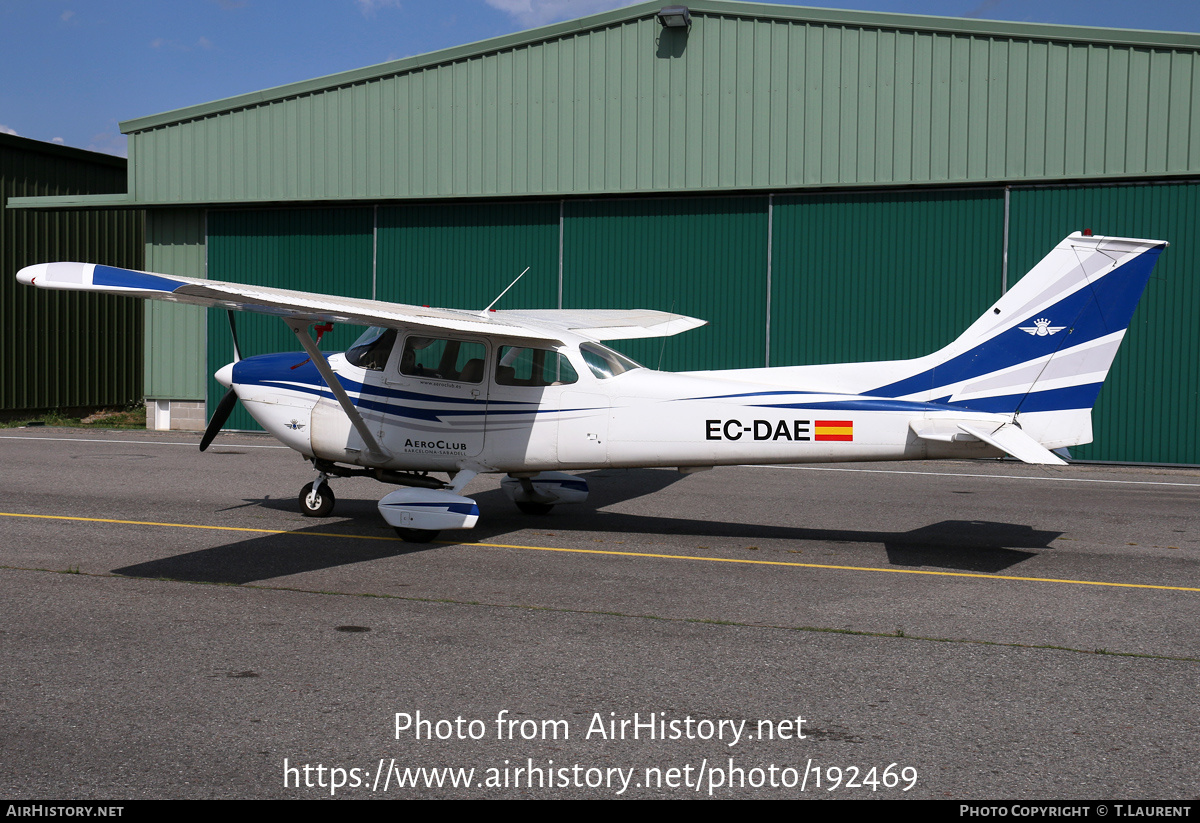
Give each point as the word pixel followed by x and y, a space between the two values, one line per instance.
pixel 297 305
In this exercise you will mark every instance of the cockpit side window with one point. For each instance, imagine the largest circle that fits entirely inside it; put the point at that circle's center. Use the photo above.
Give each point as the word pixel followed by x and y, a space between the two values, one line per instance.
pixel 372 349
pixel 443 359
pixel 534 368
pixel 604 362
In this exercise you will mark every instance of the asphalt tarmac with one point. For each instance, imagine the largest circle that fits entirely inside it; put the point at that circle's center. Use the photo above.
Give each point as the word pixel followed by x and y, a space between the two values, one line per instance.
pixel 173 628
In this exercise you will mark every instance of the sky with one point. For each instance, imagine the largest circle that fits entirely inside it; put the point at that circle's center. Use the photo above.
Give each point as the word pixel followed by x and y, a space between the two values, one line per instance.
pixel 71 71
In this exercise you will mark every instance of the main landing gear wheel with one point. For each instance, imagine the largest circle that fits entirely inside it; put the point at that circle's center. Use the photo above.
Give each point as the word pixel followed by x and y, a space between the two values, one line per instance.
pixel 417 535
pixel 534 508
pixel 319 504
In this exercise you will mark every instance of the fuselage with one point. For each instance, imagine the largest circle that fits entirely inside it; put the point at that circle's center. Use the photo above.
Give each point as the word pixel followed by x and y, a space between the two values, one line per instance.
pixel 507 405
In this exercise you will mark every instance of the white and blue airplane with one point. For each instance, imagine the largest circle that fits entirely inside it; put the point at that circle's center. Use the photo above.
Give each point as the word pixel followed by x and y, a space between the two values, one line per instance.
pixel 532 394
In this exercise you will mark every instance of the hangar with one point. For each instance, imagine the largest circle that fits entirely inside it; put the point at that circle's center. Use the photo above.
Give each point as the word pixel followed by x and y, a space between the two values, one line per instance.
pixel 821 185
pixel 57 350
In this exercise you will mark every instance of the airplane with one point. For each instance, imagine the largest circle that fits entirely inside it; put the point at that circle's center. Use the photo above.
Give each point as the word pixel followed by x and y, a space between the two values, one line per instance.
pixel 534 394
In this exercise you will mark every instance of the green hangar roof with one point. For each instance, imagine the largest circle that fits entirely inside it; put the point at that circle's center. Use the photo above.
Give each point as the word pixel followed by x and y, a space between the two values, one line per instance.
pixel 751 97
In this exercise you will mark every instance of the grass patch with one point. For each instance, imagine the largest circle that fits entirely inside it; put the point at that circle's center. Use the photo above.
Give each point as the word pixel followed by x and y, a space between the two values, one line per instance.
pixel 133 417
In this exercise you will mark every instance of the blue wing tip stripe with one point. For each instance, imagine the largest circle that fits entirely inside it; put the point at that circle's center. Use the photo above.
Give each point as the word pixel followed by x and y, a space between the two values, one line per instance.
pixel 128 279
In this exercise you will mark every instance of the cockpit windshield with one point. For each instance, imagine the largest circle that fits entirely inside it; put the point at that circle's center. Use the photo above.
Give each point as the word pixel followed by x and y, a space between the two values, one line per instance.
pixel 372 348
pixel 604 362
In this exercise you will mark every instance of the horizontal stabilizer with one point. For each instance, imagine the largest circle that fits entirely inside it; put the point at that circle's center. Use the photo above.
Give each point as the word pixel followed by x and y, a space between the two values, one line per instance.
pixel 1011 439
pixel 1008 438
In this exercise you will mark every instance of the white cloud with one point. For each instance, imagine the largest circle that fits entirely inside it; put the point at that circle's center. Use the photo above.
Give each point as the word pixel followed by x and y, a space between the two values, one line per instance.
pixel 540 12
pixel 6 130
pixel 58 140
pixel 369 7
pixel 107 142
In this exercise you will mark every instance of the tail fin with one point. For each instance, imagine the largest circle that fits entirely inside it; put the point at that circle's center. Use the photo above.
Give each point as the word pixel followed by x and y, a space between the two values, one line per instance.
pixel 1041 351
pixel 1046 346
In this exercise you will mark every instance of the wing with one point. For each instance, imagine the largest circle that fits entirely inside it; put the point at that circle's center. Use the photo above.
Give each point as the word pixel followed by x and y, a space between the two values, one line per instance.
pixel 280 302
pixel 607 324
pixel 599 324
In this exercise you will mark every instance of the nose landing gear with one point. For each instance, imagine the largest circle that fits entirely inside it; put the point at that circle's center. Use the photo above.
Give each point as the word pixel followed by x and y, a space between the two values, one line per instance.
pixel 316 498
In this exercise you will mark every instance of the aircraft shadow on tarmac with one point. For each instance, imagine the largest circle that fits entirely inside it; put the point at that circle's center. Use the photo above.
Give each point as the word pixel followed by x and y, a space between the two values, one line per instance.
pixel 963 545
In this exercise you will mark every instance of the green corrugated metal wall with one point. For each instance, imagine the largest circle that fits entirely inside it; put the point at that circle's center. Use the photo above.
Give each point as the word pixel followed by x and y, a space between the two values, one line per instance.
pixel 1149 408
pixel 704 257
pixel 880 275
pixel 57 349
pixel 462 256
pixel 175 333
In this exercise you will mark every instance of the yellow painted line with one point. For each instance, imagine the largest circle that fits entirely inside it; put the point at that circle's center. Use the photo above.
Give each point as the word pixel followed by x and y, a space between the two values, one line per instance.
pixel 191 526
pixel 613 552
pixel 838 568
pixel 1042 477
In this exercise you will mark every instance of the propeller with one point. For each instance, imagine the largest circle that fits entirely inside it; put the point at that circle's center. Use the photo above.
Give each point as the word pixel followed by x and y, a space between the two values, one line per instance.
pixel 225 407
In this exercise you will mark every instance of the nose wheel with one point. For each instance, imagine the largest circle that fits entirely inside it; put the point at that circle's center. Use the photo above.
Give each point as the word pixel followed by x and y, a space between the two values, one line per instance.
pixel 316 499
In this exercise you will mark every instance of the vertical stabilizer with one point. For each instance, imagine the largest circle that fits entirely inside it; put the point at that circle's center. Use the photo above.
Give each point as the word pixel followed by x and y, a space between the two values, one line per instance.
pixel 1042 351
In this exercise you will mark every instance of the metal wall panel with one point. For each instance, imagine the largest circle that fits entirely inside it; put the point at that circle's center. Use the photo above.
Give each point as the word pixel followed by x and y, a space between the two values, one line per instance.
pixel 463 255
pixel 752 97
pixel 881 275
pixel 60 349
pixel 1149 408
pixel 175 333
pixel 328 251
pixel 704 257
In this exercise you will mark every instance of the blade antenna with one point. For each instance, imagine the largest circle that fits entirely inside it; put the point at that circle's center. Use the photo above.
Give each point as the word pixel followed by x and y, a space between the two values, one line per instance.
pixel 663 350
pixel 501 294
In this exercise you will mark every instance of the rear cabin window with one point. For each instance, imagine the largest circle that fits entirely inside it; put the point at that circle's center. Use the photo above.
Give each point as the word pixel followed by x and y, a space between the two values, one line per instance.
pixel 535 368
pixel 443 359
pixel 604 362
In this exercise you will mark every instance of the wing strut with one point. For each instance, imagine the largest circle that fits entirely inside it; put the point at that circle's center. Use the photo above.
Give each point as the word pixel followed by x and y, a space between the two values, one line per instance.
pixel 300 327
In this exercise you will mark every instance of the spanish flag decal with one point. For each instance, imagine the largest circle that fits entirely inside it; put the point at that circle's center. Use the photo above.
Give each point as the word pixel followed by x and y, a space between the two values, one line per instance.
pixel 833 430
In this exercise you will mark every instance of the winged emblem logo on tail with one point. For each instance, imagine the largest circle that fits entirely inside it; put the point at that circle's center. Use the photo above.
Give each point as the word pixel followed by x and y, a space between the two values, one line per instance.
pixel 1041 328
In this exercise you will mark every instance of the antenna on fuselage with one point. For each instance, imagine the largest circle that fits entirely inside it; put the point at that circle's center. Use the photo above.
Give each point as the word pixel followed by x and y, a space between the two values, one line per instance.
pixel 663 350
pixel 501 294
